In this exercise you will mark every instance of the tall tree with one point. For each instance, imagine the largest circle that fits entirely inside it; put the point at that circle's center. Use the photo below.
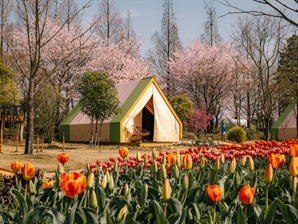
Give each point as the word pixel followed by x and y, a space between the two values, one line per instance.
pixel 110 23
pixel 34 17
pixel 288 74
pixel 211 35
pixel 128 27
pixel 165 44
pixel 5 7
pixel 261 39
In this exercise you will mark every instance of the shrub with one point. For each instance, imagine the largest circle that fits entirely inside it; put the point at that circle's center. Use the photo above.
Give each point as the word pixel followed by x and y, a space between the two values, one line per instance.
pixel 236 134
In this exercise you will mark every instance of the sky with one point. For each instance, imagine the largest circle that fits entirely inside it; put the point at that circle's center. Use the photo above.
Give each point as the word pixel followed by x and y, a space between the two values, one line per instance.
pixel 146 16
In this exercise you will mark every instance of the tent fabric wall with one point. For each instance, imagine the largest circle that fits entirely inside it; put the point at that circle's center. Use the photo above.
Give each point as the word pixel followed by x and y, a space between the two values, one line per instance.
pixel 285 125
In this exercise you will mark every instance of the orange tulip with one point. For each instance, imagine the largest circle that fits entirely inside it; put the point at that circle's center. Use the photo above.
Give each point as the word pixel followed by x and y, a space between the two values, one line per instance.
pixel 214 192
pixel 294 166
pixel 63 158
pixel 246 194
pixel 123 152
pixel 277 160
pixel 73 183
pixel 187 162
pixel 171 159
pixel 28 171
pixel 294 150
pixel 47 184
pixel 16 165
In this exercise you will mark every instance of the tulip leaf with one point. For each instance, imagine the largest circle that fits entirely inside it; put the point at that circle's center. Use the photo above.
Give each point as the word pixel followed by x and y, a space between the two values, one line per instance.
pixel 91 215
pixel 190 180
pixel 259 214
pixel 153 193
pixel 200 176
pixel 101 198
pixel 70 218
pixel 158 213
pixel 285 213
pixel 34 215
pixel 57 217
pixel 231 218
pixel 270 212
pixel 20 200
pixel 175 205
pixel 80 216
pixel 223 208
pixel 193 214
pixel 192 195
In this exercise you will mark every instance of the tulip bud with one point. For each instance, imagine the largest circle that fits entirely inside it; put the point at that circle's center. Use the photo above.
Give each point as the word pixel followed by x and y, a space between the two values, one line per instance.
pixel 187 162
pixel 154 153
pixel 145 191
pixel 268 176
pixel 166 191
pixel 216 165
pixel 60 168
pixel 232 166
pixel 243 161
pixel 222 158
pixel 31 187
pixel 90 180
pixel 251 164
pixel 116 166
pixel 237 179
pixel 104 182
pixel 164 160
pixel 108 176
pixel 88 166
pixel 185 182
pixel 293 182
pixel 146 159
pixel 43 177
pixel 121 214
pixel 111 183
pixel 176 171
pixel 154 167
pixel 138 156
pixel 125 190
pixel 163 172
pixel 93 199
pixel 100 168
pixel 202 162
pixel 178 161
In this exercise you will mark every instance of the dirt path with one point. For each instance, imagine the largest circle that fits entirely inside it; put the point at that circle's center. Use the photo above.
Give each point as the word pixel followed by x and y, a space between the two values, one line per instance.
pixel 79 155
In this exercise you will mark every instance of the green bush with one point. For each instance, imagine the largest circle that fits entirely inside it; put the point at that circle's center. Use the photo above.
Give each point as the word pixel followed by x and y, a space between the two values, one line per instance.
pixel 236 134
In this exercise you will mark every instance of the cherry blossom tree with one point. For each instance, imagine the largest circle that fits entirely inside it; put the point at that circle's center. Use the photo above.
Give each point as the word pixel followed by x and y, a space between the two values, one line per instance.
pixel 34 19
pixel 206 73
pixel 199 119
pixel 120 61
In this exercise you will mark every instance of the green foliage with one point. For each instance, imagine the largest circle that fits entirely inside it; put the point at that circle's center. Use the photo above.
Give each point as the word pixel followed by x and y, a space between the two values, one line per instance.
pixel 47 112
pixel 236 134
pixel 182 105
pixel 99 95
pixel 8 90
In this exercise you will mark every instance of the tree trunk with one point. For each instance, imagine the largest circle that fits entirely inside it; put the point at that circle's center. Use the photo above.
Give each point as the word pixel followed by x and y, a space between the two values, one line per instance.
pixel 30 119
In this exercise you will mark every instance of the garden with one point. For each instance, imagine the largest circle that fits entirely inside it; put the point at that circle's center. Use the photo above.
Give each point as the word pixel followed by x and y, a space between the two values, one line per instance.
pixel 236 183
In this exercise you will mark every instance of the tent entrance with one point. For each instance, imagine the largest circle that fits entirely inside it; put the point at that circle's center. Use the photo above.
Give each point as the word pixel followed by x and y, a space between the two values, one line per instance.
pixel 148 123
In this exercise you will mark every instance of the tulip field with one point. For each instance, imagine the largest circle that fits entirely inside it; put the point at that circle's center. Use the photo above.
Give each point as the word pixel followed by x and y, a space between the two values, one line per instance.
pixel 245 183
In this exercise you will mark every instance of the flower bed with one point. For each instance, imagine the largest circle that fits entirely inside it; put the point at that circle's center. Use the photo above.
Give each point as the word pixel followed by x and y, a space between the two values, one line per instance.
pixel 250 183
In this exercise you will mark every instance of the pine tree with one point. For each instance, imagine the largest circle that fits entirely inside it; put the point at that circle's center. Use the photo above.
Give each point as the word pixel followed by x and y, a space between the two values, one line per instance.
pixel 165 44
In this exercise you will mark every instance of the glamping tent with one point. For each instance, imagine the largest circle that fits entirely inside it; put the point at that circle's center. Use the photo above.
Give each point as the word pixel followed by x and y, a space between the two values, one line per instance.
pixel 285 125
pixel 145 112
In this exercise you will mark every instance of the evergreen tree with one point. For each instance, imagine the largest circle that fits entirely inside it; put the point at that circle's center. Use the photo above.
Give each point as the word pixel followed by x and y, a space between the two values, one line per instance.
pixel 211 35
pixel 165 43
